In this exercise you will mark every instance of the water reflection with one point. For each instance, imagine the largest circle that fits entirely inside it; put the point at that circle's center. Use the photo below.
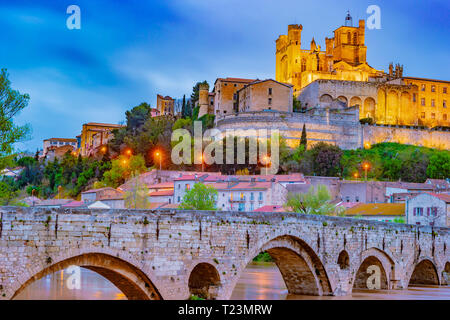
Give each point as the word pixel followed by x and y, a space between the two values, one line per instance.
pixel 54 287
pixel 262 280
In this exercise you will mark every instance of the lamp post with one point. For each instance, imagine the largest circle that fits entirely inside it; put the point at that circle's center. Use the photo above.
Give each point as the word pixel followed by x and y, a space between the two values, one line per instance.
pixel 366 167
pixel 158 154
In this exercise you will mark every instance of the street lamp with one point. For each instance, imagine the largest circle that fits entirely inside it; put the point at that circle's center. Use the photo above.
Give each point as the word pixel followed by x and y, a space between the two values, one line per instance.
pixel 158 154
pixel 103 149
pixel 201 159
pixel 128 152
pixel 355 175
pixel 366 167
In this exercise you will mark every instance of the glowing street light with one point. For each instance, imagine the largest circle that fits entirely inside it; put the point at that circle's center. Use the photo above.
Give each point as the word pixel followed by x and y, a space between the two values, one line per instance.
pixel 355 175
pixel 366 167
pixel 265 160
pixel 202 158
pixel 128 152
pixel 159 155
pixel 103 149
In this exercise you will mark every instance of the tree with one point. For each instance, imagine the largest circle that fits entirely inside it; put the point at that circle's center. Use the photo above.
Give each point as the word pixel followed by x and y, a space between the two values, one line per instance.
pixel 303 140
pixel 296 105
pixel 200 197
pixel 312 202
pixel 195 91
pixel 11 103
pixel 122 168
pixel 326 159
pixel 137 116
pixel 183 108
pixel 137 196
pixel 439 166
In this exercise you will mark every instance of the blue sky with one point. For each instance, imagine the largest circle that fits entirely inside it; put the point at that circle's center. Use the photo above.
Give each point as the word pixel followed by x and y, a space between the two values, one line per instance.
pixel 128 51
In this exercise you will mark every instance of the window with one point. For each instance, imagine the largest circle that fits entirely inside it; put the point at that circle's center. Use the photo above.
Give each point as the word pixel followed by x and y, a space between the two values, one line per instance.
pixel 433 211
pixel 423 87
pixel 418 211
pixel 178 200
pixel 270 90
pixel 270 101
pixel 235 84
pixel 422 101
pixel 444 90
pixel 260 196
pixel 414 97
pixel 252 197
pixel 242 196
pixel 432 103
pixel 433 115
pixel 179 186
pixel 234 96
pixel 444 104
pixel 433 88
pixel 251 206
pixel 357 199
pixel 188 187
pixel 422 115
pixel 444 117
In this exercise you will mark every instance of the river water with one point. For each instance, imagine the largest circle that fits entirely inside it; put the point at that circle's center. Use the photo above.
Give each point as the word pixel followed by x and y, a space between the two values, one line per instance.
pixel 259 281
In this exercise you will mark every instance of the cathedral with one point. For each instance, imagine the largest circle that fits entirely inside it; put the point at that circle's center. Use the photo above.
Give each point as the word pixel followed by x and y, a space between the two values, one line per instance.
pixel 340 73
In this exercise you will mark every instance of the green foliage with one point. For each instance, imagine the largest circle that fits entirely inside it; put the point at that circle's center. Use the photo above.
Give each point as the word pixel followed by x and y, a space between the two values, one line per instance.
pixel 296 105
pixel 195 297
pixel 263 257
pixel 393 161
pixel 195 91
pixel 312 202
pixel 439 166
pixel 11 103
pixel 366 120
pixel 122 169
pixel 200 197
pixel 137 196
pixel 7 194
pixel 399 220
pixel 303 141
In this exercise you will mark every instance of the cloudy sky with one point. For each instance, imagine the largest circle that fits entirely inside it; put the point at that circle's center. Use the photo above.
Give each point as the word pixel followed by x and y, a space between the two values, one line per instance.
pixel 128 51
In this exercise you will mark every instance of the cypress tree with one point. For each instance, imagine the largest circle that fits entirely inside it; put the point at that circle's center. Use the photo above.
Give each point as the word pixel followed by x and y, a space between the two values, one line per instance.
pixel 183 107
pixel 303 140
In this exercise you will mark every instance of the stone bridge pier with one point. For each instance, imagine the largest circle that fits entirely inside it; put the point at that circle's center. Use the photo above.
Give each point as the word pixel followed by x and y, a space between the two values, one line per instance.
pixel 173 254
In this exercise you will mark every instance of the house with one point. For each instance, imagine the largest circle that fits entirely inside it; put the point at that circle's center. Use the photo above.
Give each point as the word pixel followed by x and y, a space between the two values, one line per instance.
pixel 386 212
pixel 100 194
pixel 161 196
pixel 361 191
pixel 53 203
pixel 11 172
pixel 406 187
pixel 429 209
pixel 440 185
pixel 54 143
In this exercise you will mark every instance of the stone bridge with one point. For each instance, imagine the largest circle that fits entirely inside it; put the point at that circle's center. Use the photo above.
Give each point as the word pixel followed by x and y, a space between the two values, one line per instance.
pixel 173 254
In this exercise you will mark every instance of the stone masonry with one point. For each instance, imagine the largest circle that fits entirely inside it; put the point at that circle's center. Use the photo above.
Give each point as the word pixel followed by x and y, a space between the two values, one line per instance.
pixel 172 254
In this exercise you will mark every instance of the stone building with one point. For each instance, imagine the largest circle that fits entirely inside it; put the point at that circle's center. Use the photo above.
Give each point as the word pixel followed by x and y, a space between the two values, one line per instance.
pixel 344 57
pixel 341 73
pixel 54 143
pixel 429 209
pixel 263 95
pixel 91 138
pixel 165 105
pixel 225 94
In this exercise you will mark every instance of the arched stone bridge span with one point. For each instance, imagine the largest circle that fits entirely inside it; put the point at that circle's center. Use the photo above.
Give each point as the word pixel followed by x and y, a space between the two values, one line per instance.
pixel 172 254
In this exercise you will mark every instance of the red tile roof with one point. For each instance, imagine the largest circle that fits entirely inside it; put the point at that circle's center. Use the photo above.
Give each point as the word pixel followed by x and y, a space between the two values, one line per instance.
pixel 270 208
pixel 161 193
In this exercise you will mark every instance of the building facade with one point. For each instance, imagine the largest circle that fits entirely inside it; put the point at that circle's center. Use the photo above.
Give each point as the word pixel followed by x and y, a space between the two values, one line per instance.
pixel 94 135
pixel 54 143
pixel 165 105
pixel 429 209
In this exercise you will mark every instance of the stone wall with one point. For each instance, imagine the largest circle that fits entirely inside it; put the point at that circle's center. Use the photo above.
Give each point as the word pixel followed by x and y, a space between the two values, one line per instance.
pixel 165 254
pixel 406 135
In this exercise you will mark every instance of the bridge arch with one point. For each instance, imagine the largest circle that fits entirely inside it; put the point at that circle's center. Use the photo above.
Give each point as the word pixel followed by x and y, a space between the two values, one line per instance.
pixel 372 260
pixel 302 270
pixel 204 280
pixel 134 283
pixel 343 260
pixel 424 272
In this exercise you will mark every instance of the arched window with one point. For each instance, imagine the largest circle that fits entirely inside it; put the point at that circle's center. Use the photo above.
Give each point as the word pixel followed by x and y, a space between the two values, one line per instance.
pixel 349 37
pixel 355 38
pixel 303 64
